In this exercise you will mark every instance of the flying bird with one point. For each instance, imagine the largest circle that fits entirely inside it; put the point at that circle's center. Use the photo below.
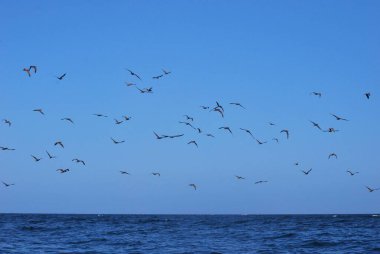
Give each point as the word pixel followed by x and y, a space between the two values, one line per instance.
pixel 371 189
pixel 307 172
pixel 59 143
pixel 204 107
pixel 331 130
pixel 8 184
pixel 296 163
pixel 260 142
pixel 286 132
pixel 39 111
pixel 219 106
pixel 352 173
pixel 127 118
pixel 35 158
pixel 27 70
pixel 68 119
pixel 6 121
pixel 193 142
pixel 271 124
pixel 134 74
pixel 189 118
pixel 237 104
pixel 276 139
pixel 188 124
pixel 157 77
pixel 172 136
pixel 247 131
pixel 258 182
pixel 100 115
pixel 218 110
pixel 225 128
pixel 156 174
pixel 333 155
pixel 367 95
pixel 117 121
pixel 319 94
pixel 210 135
pixel 124 173
pixel 166 72
pixel 239 177
pixel 79 161
pixel 63 170
pixel 130 84
pixel 61 77
pixel 339 118
pixel 158 136
pixel 117 142
pixel 50 156
pixel 6 148
pixel 316 125
pixel 193 185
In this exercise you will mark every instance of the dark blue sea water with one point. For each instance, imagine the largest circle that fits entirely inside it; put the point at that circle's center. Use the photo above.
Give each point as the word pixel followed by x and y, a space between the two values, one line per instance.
pixel 29 233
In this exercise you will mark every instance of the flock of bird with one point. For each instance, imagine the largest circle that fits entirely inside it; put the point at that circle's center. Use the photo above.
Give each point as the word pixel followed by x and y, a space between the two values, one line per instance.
pixel 187 121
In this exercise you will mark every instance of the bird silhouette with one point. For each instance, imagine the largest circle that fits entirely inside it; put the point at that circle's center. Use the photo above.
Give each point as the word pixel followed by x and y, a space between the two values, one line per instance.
pixel 6 121
pixel 226 128
pixel 352 173
pixel 3 148
pixel 367 95
pixel 331 130
pixel 166 72
pixel 35 158
pixel 124 173
pixel 316 125
pixel 193 185
pixel 172 136
pixel 158 136
pixel 247 131
pixel 156 174
pixel 261 181
pixel 188 124
pixel 210 135
pixel 100 115
pixel 158 77
pixel 130 84
pixel 50 156
pixel 286 132
pixel 339 118
pixel 127 118
pixel 79 161
pixel 32 67
pixel 134 74
pixel 39 111
pixel 319 94
pixel 260 142
pixel 61 77
pixel 276 139
pixel 204 107
pixel 272 124
pixel 333 155
pixel 68 119
pixel 372 189
pixel 59 143
pixel 8 184
pixel 219 111
pixel 118 122
pixel 239 177
pixel 237 104
pixel 307 172
pixel 193 142
pixel 63 170
pixel 189 118
pixel 117 142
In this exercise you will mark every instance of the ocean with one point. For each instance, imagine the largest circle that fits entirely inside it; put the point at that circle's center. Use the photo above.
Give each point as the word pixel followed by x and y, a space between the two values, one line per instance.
pixel 211 234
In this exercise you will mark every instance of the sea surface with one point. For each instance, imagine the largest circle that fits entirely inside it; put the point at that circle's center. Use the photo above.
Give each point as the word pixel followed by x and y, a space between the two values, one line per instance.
pixel 48 233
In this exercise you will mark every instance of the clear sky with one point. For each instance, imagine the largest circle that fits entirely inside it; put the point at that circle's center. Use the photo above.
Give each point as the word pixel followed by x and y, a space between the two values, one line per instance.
pixel 267 55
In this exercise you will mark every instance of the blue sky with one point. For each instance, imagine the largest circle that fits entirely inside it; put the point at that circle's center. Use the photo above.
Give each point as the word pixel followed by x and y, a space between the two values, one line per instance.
pixel 267 55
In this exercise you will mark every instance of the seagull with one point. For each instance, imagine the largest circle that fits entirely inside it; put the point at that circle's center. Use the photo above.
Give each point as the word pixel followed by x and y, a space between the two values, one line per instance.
pixel 226 128
pixel 371 189
pixel 333 155
pixel 219 106
pixel 117 121
pixel 173 136
pixel 193 142
pixel 59 143
pixel 319 94
pixel 127 118
pixel 117 142
pixel 199 130
pixel 193 185
pixel 352 173
pixel 258 182
pixel 166 72
pixel 237 104
pixel 316 125
pixel 61 77
pixel 210 135
pixel 286 132
pixel 134 74
pixel 307 172
pixel 7 122
pixel 239 177
pixel 339 118
pixel 67 119
pixel 6 148
pixel 157 77
pixel 156 174
pixel 141 90
pixel 50 156
pixel 261 142
pixel 100 115
pixel 247 131
pixel 276 139
pixel 188 124
pixel 271 124
pixel 367 95
pixel 79 161
pixel 189 118
pixel 204 107
pixel 35 158
pixel 158 136
pixel 8 184
pixel 149 90
pixel 124 173
pixel 63 170
pixel 129 84
pixel 27 70
pixel 39 110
